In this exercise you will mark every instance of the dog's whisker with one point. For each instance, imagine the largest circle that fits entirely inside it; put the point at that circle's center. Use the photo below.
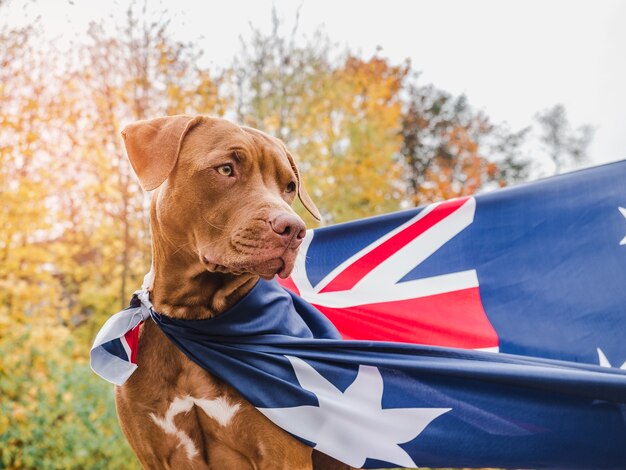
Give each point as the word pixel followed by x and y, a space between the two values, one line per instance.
pixel 224 227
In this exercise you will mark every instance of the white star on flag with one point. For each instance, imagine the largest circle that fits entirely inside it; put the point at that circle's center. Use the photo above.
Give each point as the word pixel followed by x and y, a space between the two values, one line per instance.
pixel 352 426
pixel 604 362
pixel 623 211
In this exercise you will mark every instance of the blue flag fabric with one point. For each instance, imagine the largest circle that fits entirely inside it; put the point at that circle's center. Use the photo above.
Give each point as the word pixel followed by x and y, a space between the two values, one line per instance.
pixel 536 272
pixel 537 269
pixel 376 404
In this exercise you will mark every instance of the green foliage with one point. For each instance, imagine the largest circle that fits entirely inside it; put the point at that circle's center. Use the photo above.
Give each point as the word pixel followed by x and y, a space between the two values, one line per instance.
pixel 54 412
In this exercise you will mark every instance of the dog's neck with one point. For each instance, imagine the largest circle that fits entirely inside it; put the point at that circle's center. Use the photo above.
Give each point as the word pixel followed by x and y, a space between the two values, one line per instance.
pixel 183 288
pixel 186 290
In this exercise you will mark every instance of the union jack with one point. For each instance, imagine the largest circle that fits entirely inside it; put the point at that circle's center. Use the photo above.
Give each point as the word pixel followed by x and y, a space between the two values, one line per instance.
pixel 366 297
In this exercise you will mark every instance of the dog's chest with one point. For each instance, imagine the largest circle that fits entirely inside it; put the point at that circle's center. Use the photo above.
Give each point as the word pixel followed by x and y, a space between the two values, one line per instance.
pixel 220 410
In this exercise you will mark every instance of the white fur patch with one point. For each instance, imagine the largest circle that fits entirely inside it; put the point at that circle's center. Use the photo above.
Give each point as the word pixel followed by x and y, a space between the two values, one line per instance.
pixel 179 405
pixel 219 409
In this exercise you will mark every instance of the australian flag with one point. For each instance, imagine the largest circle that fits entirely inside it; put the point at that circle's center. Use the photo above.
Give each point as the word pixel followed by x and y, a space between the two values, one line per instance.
pixel 480 331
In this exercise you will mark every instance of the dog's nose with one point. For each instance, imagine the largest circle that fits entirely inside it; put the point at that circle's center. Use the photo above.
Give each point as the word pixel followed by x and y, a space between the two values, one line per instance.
pixel 289 227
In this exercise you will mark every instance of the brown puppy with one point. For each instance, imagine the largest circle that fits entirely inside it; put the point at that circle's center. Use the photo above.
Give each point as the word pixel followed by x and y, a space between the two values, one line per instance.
pixel 221 218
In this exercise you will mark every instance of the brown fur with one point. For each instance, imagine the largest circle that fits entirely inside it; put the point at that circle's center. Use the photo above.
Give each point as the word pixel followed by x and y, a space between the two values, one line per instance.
pixel 213 236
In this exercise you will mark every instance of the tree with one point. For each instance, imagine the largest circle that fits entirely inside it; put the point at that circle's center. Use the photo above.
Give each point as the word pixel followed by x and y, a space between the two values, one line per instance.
pixel 565 146
pixel 450 150
pixel 27 212
pixel 358 173
pixel 42 424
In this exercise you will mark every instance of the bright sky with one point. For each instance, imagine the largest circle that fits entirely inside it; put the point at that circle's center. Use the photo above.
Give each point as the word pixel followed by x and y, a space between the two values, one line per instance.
pixel 511 58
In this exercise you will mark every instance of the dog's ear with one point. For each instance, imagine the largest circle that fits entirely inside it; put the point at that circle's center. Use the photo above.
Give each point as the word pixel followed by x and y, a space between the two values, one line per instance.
pixel 153 146
pixel 303 195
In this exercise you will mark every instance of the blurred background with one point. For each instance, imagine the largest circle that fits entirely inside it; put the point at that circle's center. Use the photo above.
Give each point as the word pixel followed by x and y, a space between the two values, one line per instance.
pixel 386 104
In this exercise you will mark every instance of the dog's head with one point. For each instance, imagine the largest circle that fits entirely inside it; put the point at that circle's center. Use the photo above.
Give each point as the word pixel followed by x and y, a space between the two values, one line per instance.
pixel 225 192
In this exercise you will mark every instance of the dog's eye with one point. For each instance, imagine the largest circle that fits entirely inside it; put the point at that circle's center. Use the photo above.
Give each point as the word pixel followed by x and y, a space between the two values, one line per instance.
pixel 225 170
pixel 291 187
